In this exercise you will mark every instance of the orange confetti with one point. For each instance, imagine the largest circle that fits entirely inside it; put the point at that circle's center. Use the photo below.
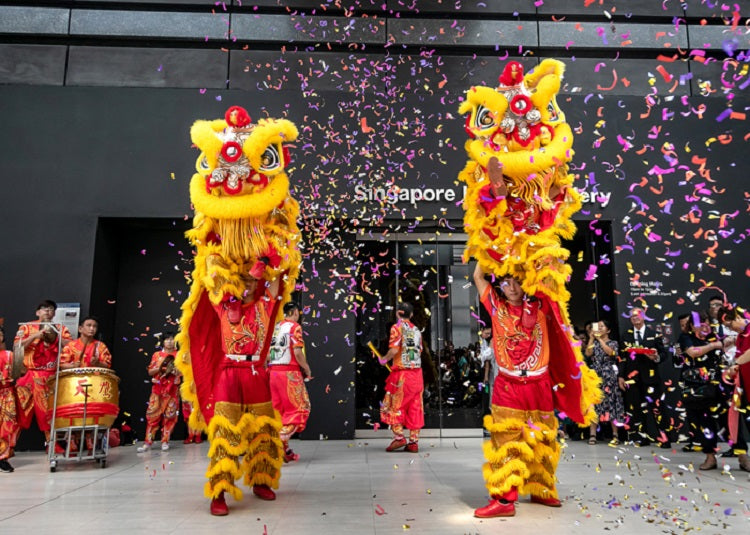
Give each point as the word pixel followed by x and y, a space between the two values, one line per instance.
pixel 664 74
pixel 724 139
pixel 711 251
pixel 614 83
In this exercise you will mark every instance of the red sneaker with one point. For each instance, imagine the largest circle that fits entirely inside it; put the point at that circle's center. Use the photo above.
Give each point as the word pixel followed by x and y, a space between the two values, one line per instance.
pixel 264 492
pixel 496 508
pixel 198 439
pixel 188 440
pixel 412 447
pixel 549 502
pixel 396 444
pixel 219 506
pixel 290 456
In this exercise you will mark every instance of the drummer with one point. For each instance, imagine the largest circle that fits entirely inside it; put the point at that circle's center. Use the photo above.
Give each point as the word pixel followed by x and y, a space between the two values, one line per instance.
pixel 39 341
pixel 86 351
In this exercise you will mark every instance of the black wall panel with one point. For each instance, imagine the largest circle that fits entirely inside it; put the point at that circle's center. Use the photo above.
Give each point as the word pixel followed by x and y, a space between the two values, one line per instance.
pixel 36 21
pixel 619 9
pixel 462 32
pixel 147 67
pixel 148 24
pixel 625 76
pixel 32 64
pixel 211 3
pixel 480 7
pixel 285 29
pixel 715 38
pixel 601 35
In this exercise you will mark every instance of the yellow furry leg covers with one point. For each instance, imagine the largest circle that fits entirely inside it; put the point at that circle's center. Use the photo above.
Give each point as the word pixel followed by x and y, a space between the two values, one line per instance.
pixel 227 444
pixel 265 452
pixel 522 452
pixel 256 440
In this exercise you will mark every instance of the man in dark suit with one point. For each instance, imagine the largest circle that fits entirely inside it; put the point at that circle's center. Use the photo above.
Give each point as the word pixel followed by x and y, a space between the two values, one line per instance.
pixel 638 377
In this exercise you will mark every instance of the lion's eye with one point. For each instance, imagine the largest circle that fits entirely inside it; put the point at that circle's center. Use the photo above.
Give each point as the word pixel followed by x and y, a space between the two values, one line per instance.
pixel 270 159
pixel 484 118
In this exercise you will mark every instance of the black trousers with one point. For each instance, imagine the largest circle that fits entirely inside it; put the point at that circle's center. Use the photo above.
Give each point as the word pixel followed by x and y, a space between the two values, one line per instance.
pixel 704 425
pixel 648 418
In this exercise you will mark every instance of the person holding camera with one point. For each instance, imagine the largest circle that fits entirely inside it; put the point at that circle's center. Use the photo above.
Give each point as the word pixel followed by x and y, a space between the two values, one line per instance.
pixel 601 351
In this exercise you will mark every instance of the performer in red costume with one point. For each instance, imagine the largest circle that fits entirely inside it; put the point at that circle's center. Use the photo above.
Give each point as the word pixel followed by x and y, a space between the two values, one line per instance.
pixel 243 429
pixel 9 427
pixel 537 373
pixel 288 369
pixel 163 405
pixel 402 405
pixel 246 263
pixel 85 351
pixel 41 345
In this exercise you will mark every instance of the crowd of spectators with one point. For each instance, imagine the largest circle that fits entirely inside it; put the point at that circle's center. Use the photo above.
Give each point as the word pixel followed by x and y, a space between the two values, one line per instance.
pixel 659 389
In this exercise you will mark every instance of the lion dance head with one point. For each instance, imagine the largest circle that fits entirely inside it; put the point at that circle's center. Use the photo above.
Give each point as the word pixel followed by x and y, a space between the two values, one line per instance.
pixel 244 214
pixel 519 124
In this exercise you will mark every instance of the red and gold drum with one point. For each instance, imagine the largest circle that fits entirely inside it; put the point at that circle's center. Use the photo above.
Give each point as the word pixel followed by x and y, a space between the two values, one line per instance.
pixel 103 402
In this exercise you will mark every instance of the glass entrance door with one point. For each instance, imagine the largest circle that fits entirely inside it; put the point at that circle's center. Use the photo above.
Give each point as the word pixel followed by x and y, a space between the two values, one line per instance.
pixel 427 273
pixel 426 270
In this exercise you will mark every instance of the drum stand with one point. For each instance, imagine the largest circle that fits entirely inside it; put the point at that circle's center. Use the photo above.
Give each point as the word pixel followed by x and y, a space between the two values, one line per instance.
pixel 99 438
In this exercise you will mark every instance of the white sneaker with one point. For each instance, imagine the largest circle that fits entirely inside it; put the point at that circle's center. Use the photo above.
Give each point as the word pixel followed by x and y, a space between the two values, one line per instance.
pixel 144 448
pixel 165 446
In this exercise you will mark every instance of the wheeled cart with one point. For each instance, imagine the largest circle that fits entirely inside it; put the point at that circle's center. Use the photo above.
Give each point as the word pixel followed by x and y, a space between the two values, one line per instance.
pixel 81 443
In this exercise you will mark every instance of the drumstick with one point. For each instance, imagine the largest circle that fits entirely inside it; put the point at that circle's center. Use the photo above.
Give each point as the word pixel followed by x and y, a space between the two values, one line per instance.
pixel 377 354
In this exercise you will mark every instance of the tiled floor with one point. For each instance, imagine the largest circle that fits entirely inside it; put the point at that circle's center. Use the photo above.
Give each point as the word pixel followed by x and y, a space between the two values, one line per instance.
pixel 340 487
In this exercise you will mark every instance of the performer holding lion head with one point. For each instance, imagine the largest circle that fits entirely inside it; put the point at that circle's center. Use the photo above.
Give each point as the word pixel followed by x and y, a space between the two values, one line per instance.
pixel 246 262
pixel 518 205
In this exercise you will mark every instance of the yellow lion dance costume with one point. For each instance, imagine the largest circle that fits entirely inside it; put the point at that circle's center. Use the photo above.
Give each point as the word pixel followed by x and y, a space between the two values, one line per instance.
pixel 518 205
pixel 246 262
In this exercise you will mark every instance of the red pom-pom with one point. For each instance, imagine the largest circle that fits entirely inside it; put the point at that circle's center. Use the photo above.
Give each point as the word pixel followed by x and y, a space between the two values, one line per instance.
pixel 512 74
pixel 231 151
pixel 237 116
pixel 520 104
